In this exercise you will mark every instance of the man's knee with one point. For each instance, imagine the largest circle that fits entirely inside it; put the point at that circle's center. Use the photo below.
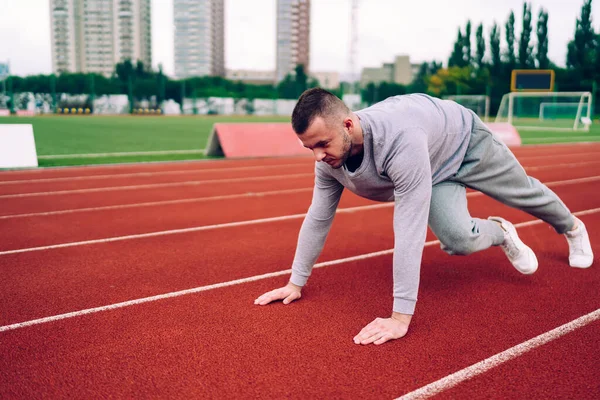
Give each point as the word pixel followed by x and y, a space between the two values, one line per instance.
pixel 458 243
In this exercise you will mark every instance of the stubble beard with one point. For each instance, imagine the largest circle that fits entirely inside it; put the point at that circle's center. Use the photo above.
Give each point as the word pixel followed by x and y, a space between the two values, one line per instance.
pixel 346 151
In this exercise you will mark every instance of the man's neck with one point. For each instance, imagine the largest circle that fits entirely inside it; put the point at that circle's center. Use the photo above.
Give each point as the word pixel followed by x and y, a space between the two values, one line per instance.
pixel 353 162
pixel 358 138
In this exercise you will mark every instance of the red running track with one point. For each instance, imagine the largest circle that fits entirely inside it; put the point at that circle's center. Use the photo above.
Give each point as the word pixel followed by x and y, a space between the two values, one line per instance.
pixel 34 231
pixel 530 375
pixel 88 278
pixel 216 344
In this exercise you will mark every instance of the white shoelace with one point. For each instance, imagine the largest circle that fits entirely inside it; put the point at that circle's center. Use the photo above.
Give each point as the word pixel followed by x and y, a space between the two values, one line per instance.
pixel 510 246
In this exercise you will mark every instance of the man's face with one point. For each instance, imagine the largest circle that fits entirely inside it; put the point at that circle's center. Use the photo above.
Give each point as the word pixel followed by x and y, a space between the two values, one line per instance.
pixel 330 142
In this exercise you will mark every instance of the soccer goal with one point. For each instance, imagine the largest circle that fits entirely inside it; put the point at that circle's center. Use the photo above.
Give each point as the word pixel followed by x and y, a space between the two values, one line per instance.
pixel 552 111
pixel 480 104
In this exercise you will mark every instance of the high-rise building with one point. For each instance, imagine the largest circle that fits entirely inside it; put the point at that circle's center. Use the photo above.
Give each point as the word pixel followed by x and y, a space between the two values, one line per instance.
pixel 199 37
pixel 293 36
pixel 94 35
pixel 62 25
pixel 401 71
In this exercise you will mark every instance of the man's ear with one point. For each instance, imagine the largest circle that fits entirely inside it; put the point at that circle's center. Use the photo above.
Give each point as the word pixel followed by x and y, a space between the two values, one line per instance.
pixel 348 124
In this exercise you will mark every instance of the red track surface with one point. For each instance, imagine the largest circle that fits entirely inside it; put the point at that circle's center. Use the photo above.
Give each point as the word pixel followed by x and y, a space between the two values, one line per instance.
pixel 217 344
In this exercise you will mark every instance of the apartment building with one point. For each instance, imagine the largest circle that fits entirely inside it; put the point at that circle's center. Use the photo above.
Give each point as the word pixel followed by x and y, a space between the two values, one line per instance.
pixel 199 37
pixel 94 35
pixel 401 71
pixel 293 36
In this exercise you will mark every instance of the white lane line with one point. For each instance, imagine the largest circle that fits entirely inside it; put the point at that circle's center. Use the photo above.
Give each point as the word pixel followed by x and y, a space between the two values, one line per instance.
pixel 130 153
pixel 243 223
pixel 160 203
pixel 233 282
pixel 573 181
pixel 191 291
pixel 225 197
pixel 157 173
pixel 201 151
pixel 142 165
pixel 153 174
pixel 172 184
pixel 156 185
pixel 224 169
pixel 566 165
pixel 472 371
pixel 192 229
pixel 554 146
pixel 591 139
pixel 553 156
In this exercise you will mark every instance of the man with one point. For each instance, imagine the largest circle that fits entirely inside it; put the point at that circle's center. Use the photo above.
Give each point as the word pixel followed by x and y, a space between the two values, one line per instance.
pixel 421 153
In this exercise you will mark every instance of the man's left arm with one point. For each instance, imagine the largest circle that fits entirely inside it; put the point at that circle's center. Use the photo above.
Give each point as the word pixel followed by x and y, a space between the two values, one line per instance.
pixel 410 170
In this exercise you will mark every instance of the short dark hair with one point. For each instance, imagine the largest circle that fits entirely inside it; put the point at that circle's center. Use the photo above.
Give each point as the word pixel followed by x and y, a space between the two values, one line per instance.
pixel 313 103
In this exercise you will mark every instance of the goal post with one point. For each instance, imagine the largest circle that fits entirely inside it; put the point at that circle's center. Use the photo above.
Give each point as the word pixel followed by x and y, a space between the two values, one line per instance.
pixel 480 104
pixel 556 111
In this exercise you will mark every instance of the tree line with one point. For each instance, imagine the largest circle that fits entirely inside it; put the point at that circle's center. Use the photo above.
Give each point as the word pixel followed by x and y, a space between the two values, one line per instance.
pixel 142 83
pixel 478 64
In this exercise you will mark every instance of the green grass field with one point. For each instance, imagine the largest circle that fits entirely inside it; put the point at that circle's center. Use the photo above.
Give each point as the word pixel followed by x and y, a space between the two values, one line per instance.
pixel 71 135
pixel 551 135
pixel 68 135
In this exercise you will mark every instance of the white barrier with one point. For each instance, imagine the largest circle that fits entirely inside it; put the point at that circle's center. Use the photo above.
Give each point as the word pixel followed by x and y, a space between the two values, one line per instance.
pixel 111 104
pixel 17 146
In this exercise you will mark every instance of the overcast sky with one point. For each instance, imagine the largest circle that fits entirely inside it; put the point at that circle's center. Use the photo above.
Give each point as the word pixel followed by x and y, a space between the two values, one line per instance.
pixel 423 29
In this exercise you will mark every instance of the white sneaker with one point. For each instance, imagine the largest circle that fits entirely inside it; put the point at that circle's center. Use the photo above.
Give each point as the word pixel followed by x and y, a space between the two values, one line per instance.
pixel 580 249
pixel 518 253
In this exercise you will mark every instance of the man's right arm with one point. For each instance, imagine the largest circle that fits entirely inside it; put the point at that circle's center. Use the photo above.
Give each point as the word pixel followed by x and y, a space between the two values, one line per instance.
pixel 316 226
pixel 317 223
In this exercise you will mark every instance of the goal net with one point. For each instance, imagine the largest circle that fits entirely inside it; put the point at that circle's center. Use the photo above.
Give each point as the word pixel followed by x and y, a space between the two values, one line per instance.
pixel 480 104
pixel 552 111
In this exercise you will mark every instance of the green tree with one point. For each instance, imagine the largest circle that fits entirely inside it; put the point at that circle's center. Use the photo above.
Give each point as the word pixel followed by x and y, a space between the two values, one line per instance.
pixel 161 83
pixel 479 48
pixel 597 67
pixel 580 51
pixel 369 93
pixel 434 67
pixel 510 58
pixel 542 40
pixel 124 70
pixel 452 80
pixel 140 71
pixel 145 88
pixel 496 59
pixel 467 53
pixel 419 83
pixel 456 58
pixel 525 48
pixel 73 83
pixel 373 93
pixel 301 79
pixel 286 89
pixel 388 89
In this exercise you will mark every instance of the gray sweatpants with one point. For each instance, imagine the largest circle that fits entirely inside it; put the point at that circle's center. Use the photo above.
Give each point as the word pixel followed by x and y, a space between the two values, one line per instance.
pixel 491 168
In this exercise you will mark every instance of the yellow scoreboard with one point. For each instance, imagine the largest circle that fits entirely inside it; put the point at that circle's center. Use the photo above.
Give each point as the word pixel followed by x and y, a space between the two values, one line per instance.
pixel 532 80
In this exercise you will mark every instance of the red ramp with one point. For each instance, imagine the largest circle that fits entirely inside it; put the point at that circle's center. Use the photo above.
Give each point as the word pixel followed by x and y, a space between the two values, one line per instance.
pixel 234 140
pixel 506 133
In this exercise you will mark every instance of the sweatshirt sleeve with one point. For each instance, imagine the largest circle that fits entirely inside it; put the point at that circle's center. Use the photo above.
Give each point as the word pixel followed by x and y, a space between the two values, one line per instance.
pixel 315 228
pixel 408 166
